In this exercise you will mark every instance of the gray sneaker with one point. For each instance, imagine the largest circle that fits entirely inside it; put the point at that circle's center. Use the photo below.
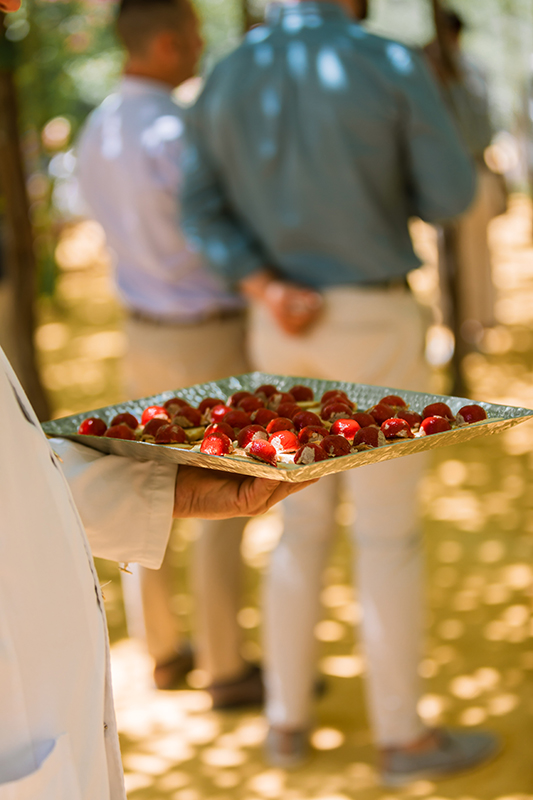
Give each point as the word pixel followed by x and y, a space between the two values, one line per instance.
pixel 287 749
pixel 457 751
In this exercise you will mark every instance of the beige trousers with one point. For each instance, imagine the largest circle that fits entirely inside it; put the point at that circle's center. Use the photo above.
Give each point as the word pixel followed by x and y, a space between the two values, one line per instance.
pixel 366 336
pixel 167 357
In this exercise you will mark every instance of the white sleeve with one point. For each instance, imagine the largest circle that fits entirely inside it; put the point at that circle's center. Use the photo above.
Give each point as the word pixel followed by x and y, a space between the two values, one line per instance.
pixel 125 505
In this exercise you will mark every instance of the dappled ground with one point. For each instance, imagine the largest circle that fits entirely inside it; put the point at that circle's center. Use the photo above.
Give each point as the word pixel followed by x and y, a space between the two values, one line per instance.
pixel 477 502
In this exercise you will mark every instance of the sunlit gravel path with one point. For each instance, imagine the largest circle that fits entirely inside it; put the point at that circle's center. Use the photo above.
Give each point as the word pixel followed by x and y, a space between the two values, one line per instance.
pixel 477 503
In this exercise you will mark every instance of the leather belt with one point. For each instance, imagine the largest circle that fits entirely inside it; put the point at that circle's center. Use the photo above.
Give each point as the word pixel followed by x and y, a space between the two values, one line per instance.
pixel 393 283
pixel 215 316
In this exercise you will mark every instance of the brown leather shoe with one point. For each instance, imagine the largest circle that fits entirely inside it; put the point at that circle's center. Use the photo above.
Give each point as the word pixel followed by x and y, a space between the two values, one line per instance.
pixel 247 690
pixel 171 674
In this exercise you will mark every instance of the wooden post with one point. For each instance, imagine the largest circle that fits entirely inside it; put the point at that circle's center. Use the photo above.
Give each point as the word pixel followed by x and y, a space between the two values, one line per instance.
pixel 448 61
pixel 450 72
pixel 248 19
pixel 20 258
pixel 246 16
pixel 459 387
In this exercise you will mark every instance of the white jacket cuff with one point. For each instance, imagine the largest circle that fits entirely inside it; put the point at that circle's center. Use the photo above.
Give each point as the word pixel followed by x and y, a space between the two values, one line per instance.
pixel 125 505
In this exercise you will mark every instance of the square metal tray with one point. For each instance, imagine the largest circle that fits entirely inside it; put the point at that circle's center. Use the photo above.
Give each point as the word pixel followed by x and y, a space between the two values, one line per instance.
pixel 499 418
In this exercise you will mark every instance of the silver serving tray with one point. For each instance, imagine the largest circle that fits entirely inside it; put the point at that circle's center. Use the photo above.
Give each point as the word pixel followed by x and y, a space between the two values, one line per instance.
pixel 499 418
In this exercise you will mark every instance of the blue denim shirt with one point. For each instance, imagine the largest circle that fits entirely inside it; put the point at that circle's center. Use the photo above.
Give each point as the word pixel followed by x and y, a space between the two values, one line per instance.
pixel 310 147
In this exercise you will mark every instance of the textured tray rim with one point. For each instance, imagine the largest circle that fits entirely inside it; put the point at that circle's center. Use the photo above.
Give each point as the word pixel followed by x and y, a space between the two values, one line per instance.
pixel 499 418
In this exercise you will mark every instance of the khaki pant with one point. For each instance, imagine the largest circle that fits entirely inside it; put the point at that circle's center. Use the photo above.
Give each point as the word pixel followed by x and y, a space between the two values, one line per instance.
pixel 367 336
pixel 167 357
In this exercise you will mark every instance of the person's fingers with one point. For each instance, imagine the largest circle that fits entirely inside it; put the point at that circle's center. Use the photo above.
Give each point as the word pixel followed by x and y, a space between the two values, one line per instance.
pixel 210 494
pixel 303 309
pixel 303 300
pixel 297 324
pixel 289 327
pixel 294 308
pixel 296 321
pixel 262 494
pixel 314 300
pixel 297 487
pixel 265 493
pixel 285 489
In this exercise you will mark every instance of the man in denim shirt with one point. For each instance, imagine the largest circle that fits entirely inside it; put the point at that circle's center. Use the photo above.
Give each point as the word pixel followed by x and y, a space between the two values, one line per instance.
pixel 309 149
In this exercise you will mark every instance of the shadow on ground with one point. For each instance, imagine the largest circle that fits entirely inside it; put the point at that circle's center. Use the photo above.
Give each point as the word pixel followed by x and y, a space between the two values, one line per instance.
pixel 477 502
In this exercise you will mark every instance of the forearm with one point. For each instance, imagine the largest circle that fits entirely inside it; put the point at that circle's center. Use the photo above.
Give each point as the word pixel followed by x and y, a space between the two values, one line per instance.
pixel 210 222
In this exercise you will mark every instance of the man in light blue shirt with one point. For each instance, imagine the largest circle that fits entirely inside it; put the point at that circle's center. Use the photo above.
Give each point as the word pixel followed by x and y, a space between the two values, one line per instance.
pixel 309 149
pixel 183 326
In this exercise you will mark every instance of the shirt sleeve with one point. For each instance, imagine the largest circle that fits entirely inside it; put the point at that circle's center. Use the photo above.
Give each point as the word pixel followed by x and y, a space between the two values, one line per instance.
pixel 162 150
pixel 208 221
pixel 440 173
pixel 125 505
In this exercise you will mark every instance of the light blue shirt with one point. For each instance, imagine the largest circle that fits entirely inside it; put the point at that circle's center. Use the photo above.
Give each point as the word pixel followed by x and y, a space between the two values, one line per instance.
pixel 311 146
pixel 129 174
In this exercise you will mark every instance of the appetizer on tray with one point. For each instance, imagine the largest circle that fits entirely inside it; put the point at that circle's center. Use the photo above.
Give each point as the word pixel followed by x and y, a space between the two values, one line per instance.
pixel 301 428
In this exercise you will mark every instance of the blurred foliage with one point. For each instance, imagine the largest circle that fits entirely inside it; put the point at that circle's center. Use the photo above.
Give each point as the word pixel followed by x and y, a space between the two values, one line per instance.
pixel 498 34
pixel 67 56
pixel 67 59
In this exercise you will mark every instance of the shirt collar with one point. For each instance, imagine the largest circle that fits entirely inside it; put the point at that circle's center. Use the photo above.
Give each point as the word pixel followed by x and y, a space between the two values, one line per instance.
pixel 136 84
pixel 277 12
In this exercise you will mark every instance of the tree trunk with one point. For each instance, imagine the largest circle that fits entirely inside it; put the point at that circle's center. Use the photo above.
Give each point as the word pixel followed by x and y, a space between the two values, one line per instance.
pixel 449 248
pixel 20 258
pixel 249 19
pixel 449 233
pixel 448 61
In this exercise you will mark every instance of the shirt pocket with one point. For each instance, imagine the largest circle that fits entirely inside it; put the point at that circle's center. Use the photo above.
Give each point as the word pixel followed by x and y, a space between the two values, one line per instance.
pixel 54 779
